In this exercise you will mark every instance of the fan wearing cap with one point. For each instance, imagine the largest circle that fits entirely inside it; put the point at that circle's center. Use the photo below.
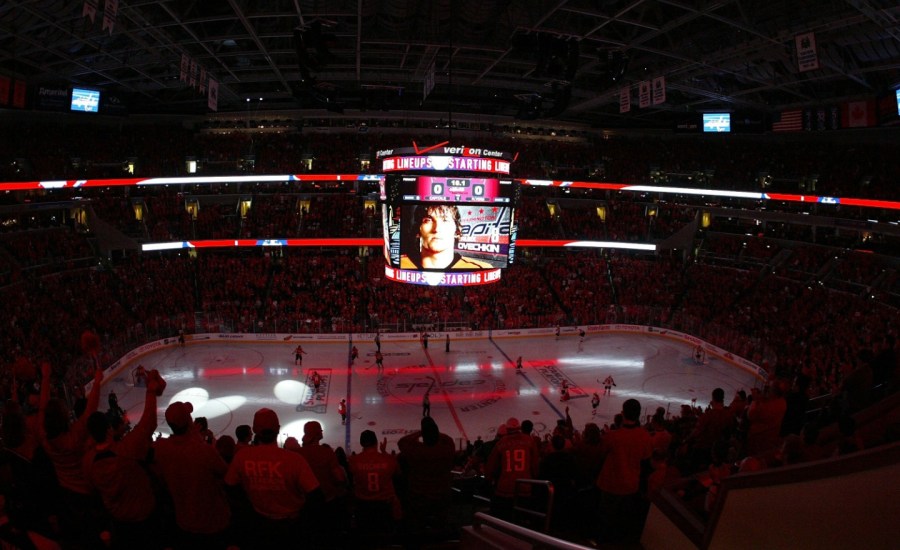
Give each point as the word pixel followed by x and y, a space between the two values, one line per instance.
pixel 115 471
pixel 193 471
pixel 515 456
pixel 278 483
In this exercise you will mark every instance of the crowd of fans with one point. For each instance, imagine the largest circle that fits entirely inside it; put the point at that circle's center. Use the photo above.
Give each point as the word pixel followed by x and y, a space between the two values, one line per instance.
pixel 88 478
pixel 769 295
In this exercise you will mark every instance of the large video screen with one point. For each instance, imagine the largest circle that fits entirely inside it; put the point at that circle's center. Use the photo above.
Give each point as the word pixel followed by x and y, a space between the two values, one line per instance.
pixel 86 101
pixel 716 122
pixel 448 225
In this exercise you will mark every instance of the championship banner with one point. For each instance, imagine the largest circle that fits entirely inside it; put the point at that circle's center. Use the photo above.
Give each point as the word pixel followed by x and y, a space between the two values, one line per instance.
pixel 625 99
pixel 644 94
pixel 110 13
pixel 213 97
pixel 185 65
pixel 659 90
pixel 202 83
pixel 807 55
pixel 90 9
pixel 192 75
pixel 428 84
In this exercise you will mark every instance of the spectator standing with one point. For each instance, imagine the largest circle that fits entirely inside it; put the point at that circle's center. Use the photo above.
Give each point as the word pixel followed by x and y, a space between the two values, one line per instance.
pixel 714 424
pixel 624 450
pixel 376 506
pixel 193 473
pixel 65 444
pixel 280 486
pixel 515 456
pixel 427 459
pixel 117 471
pixel 332 477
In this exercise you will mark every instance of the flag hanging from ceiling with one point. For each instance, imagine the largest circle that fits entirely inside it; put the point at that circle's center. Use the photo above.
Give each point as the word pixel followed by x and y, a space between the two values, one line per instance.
pixel 212 99
pixel 659 90
pixel 192 75
pixel 202 83
pixel 788 121
pixel 858 114
pixel 625 99
pixel 644 94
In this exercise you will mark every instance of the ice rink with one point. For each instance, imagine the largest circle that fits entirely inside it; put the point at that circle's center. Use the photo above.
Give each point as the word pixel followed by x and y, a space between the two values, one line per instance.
pixel 473 388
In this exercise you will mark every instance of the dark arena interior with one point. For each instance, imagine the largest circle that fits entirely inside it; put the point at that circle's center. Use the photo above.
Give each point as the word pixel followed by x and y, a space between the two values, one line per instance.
pixel 613 274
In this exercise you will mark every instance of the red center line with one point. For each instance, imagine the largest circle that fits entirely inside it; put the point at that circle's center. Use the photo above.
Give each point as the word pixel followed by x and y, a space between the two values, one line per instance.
pixel 449 401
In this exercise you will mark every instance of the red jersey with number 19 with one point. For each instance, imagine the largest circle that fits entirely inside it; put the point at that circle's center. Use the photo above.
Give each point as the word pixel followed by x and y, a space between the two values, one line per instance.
pixel 515 456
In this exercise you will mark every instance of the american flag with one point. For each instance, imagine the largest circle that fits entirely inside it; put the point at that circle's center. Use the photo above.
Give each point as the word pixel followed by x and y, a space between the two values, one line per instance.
pixel 789 121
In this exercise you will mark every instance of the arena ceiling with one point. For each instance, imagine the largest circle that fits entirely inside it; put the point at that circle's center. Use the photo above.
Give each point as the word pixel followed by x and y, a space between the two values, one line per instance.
pixel 564 60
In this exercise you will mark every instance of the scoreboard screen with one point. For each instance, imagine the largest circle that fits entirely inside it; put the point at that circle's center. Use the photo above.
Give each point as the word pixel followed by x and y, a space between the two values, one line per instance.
pixel 448 230
pixel 431 189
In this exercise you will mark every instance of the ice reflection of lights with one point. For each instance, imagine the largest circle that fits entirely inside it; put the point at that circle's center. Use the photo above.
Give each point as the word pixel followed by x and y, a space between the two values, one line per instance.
pixel 293 429
pixel 655 397
pixel 204 406
pixel 601 362
pixel 195 396
pixel 290 391
pixel 220 406
pixel 466 367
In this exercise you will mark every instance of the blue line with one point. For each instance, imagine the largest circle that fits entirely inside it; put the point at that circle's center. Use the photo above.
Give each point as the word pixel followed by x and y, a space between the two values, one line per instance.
pixel 349 401
pixel 522 374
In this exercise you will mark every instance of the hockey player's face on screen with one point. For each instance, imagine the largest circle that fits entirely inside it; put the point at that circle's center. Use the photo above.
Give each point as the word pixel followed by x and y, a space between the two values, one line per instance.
pixel 437 230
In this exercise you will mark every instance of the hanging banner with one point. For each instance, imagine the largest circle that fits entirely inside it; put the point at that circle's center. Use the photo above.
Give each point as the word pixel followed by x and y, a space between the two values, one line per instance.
pixel 110 12
pixel 644 94
pixel 625 99
pixel 213 97
pixel 807 55
pixel 428 84
pixel 4 90
pixel 185 65
pixel 202 83
pixel 192 76
pixel 659 90
pixel 90 9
